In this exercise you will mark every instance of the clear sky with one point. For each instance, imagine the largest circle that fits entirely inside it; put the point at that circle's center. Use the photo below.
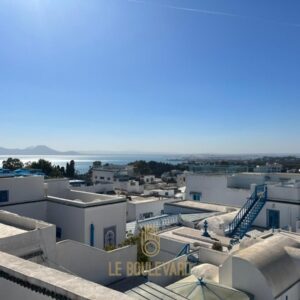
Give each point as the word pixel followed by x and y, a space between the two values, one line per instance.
pixel 185 76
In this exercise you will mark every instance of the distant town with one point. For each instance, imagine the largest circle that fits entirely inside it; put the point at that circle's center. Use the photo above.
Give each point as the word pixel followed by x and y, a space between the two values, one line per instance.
pixel 150 229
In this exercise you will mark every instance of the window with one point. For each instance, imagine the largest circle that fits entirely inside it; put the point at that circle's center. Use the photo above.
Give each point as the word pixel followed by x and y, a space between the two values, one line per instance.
pixel 108 178
pixel 147 215
pixel 102 178
pixel 96 177
pixel 3 196
pixel 166 194
pixel 110 236
pixel 196 196
pixel 92 234
pixel 58 232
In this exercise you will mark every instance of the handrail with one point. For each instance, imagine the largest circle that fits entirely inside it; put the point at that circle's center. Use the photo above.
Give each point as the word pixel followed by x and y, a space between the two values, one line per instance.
pixel 259 193
pixel 185 250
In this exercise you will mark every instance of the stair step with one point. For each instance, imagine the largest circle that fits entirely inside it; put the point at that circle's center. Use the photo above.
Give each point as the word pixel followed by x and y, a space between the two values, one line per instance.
pixel 247 214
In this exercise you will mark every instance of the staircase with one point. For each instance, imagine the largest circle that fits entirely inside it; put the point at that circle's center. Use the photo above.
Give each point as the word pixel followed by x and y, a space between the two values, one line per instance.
pixel 192 255
pixel 247 214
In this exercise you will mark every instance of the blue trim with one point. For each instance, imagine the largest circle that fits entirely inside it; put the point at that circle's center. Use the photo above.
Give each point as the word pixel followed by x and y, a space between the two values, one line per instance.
pixel 58 232
pixel 4 196
pixel 92 235
pixel 185 250
pixel 247 214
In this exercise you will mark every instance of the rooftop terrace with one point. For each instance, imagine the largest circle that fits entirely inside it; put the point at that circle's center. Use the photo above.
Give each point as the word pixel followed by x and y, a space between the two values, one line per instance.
pixel 85 199
pixel 204 206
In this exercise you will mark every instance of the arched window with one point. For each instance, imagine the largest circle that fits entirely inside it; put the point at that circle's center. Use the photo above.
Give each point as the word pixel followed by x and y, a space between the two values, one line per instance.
pixel 110 236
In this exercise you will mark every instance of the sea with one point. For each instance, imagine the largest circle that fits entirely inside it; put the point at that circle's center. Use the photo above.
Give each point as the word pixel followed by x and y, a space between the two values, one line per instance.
pixel 83 162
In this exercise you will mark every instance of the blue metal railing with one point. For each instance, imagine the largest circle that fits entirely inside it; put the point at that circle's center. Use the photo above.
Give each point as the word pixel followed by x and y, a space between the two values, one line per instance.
pixel 248 213
pixel 185 250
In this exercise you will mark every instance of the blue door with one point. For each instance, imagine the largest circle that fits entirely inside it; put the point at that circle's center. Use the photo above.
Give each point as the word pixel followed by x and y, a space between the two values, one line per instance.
pixel 273 218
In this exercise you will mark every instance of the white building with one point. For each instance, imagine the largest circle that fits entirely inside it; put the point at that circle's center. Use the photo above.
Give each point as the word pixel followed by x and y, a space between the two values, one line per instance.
pixel 149 179
pixel 281 210
pixel 160 192
pixel 180 179
pixel 266 267
pixel 268 168
pixel 128 186
pixel 93 219
pixel 34 267
pixel 212 188
pixel 269 269
pixel 102 175
pixel 139 208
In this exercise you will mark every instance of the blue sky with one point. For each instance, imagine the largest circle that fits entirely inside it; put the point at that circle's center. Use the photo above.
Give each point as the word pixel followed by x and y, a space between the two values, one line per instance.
pixel 180 76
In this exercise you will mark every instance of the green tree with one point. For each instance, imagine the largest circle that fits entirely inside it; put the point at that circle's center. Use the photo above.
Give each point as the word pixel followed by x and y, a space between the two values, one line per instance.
pixel 12 164
pixel 70 169
pixel 43 165
pixel 136 240
pixel 56 172
pixel 62 171
pixel 217 246
pixel 142 167
pixel 87 177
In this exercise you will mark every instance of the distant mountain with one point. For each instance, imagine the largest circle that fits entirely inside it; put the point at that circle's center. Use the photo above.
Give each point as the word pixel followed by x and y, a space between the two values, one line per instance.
pixel 36 150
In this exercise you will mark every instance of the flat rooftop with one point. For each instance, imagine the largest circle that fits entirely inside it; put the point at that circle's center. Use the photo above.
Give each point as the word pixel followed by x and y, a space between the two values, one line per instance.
pixel 191 236
pixel 141 200
pixel 7 231
pixel 85 199
pixel 13 224
pixel 204 206
pixel 275 175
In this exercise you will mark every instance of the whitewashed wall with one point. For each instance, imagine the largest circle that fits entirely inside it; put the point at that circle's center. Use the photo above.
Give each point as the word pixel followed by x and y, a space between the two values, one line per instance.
pixel 69 218
pixel 214 190
pixel 289 214
pixel 57 186
pixel 94 264
pixel 38 235
pixel 162 277
pixel 108 176
pixel 162 193
pixel 252 280
pixel 35 210
pixel 102 217
pixel 12 291
pixel 169 249
pixel 135 210
pixel 211 256
pixel 289 193
pixel 22 189
pixel 291 294
pixel 244 180
pixel 96 188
